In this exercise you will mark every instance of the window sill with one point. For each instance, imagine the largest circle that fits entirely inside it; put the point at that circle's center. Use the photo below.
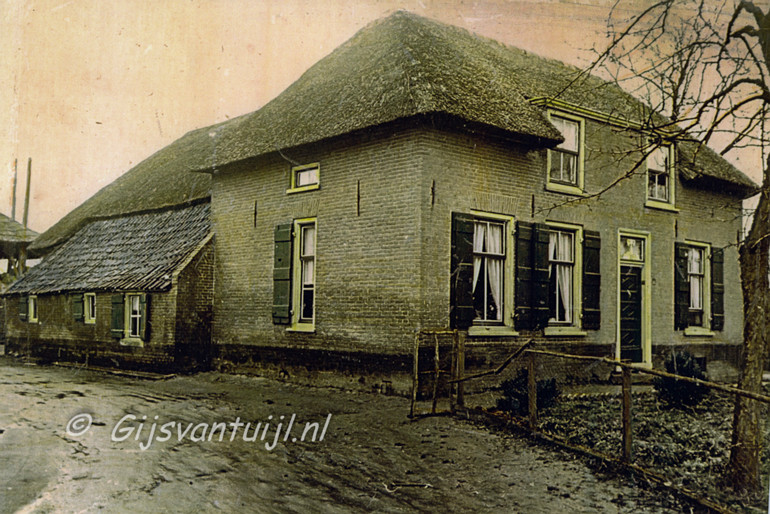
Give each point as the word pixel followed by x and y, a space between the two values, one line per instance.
pixel 564 188
pixel 564 331
pixel 90 322
pixel 132 341
pixel 698 331
pixel 311 187
pixel 301 327
pixel 662 206
pixel 499 330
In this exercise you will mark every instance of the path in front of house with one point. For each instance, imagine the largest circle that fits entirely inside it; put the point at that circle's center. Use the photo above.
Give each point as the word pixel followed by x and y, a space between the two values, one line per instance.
pixel 372 458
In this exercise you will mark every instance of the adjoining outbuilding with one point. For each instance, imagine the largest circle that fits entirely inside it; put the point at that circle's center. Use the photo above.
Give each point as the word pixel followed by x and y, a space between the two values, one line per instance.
pixel 132 291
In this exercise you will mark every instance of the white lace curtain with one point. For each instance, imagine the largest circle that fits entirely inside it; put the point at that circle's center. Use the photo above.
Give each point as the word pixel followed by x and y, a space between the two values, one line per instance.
pixel 488 238
pixel 695 270
pixel 560 254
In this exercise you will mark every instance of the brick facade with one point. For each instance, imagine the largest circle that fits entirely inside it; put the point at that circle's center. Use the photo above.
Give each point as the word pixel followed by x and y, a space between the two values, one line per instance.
pixel 173 320
pixel 383 213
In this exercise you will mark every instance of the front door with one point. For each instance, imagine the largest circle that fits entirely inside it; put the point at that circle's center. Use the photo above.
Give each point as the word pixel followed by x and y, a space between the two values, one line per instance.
pixel 631 313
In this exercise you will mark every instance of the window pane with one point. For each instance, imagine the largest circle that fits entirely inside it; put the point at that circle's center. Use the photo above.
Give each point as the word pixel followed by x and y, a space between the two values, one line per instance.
pixel 308 240
pixel 561 254
pixel 658 159
pixel 695 261
pixel 571 132
pixel 307 304
pixel 631 249
pixel 307 271
pixel 306 177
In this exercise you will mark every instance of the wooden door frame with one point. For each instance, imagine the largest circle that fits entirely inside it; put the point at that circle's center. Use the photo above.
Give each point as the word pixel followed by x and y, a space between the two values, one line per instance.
pixel 646 292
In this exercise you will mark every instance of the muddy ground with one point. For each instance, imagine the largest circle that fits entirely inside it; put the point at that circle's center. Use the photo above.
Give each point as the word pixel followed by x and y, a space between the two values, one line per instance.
pixel 371 458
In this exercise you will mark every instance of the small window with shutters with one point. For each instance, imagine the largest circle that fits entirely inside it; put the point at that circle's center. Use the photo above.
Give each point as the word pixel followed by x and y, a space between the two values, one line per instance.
pixel 699 288
pixel 294 275
pixel 89 308
pixel 130 318
pixel 558 279
pixel 482 273
pixel 32 310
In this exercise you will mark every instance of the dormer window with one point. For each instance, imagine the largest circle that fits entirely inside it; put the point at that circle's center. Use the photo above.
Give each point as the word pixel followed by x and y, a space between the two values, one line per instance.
pixel 658 174
pixel 565 162
pixel 660 182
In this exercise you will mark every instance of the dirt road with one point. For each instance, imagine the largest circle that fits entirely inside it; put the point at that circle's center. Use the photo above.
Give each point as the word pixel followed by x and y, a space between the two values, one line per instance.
pixel 371 457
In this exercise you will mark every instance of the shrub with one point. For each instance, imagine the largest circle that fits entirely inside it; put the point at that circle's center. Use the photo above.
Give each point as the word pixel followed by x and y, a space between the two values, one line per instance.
pixel 516 397
pixel 679 393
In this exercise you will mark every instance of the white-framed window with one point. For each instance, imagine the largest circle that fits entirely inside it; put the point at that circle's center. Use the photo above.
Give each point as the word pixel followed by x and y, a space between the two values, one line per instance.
pixel 564 277
pixel 660 181
pixel 697 262
pixel 565 162
pixel 489 250
pixel 305 178
pixel 561 275
pixel 303 312
pixel 32 309
pixel 133 316
pixel 89 308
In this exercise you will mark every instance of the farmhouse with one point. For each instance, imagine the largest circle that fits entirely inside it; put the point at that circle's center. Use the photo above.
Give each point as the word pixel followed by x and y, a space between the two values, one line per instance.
pixel 421 176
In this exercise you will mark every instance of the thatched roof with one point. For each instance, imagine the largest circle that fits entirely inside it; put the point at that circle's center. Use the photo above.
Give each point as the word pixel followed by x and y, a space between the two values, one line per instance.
pixel 14 232
pixel 158 181
pixel 398 67
pixel 139 252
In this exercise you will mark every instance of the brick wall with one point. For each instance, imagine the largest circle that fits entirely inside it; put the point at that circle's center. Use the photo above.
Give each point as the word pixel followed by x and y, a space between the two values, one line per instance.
pixel 480 174
pixel 195 298
pixel 57 336
pixel 367 306
pixel 383 271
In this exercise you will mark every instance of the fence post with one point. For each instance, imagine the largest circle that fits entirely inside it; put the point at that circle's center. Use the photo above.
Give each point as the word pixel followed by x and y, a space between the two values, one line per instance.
pixel 461 368
pixel 626 414
pixel 415 373
pixel 532 392
pixel 453 373
pixel 437 374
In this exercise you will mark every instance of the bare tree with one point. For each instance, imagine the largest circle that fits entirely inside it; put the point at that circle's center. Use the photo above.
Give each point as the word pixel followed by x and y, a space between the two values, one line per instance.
pixel 705 65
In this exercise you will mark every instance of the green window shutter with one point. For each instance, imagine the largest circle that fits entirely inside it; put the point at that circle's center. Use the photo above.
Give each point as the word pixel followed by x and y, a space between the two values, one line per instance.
pixel 462 313
pixel 77 307
pixel 282 275
pixel 117 320
pixel 23 308
pixel 523 318
pixel 681 287
pixel 591 280
pixel 531 276
pixel 540 279
pixel 144 320
pixel 717 289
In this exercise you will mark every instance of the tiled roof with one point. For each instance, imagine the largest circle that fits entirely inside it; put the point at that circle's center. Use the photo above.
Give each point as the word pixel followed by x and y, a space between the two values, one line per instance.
pixel 139 252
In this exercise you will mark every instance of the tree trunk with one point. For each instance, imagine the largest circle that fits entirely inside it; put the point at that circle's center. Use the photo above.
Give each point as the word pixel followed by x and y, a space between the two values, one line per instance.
pixel 746 449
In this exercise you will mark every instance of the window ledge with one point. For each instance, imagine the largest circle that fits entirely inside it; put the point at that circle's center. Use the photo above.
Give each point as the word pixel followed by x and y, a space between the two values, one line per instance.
pixel 301 327
pixel 564 188
pixel 564 331
pixel 90 322
pixel 481 330
pixel 311 187
pixel 132 341
pixel 698 331
pixel 663 206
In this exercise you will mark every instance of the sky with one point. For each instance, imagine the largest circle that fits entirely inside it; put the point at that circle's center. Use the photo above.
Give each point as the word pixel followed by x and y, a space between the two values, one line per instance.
pixel 90 88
